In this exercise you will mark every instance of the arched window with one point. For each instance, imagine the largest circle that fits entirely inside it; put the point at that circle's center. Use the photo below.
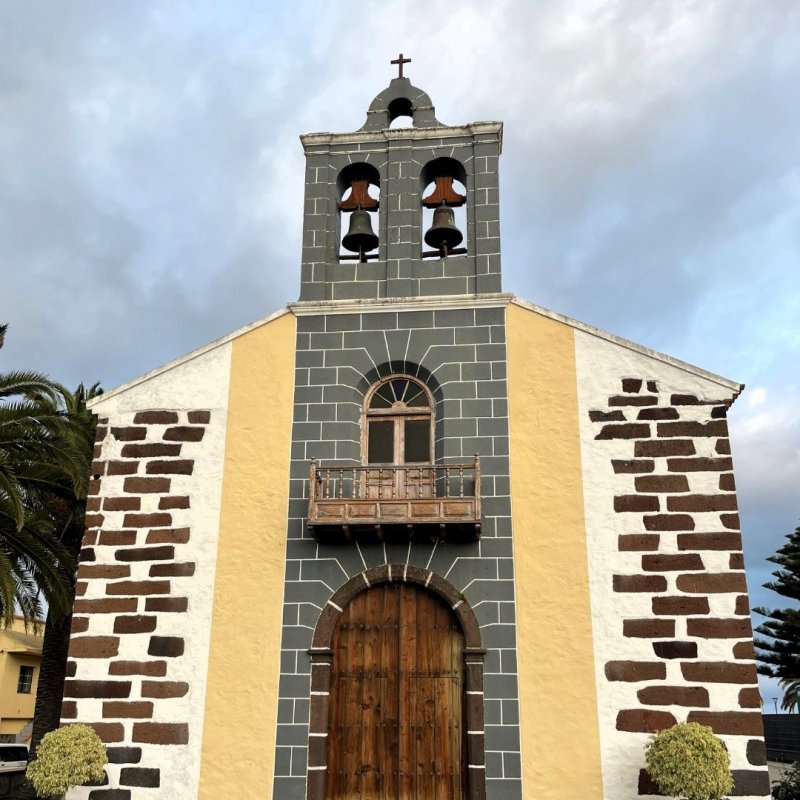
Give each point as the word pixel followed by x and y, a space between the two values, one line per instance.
pixel 398 423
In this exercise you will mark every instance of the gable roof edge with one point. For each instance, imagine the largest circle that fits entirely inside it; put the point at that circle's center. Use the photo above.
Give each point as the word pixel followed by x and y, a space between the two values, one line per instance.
pixel 176 362
pixel 732 386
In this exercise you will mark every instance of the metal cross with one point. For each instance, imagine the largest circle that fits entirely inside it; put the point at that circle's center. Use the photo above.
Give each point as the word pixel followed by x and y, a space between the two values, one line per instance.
pixel 400 61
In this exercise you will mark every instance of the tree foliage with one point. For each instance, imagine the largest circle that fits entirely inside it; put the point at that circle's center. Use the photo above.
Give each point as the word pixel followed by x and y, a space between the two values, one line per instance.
pixel 778 640
pixel 787 786
pixel 67 757
pixel 42 473
pixel 688 760
pixel 46 437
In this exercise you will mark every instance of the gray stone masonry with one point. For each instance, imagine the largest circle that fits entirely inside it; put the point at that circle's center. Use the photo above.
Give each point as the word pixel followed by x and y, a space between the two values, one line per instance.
pixel 461 356
pixel 400 156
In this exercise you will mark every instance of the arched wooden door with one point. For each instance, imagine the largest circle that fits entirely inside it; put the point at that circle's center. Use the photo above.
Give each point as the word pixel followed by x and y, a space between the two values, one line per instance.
pixel 396 725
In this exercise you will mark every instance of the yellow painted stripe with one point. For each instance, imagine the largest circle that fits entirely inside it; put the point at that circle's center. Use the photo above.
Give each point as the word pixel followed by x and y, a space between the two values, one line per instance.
pixel 558 704
pixel 238 752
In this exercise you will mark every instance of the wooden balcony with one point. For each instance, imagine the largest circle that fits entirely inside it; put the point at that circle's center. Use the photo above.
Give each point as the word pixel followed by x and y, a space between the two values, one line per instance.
pixel 395 503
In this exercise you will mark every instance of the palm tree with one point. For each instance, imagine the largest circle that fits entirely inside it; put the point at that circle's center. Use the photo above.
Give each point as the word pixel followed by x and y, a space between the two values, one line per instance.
pixel 46 441
pixel 78 436
pixel 41 469
pixel 791 694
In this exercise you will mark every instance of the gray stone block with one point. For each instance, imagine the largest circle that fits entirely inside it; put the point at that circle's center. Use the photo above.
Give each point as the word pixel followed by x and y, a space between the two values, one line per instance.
pixel 311 324
pixel 415 319
pixel 500 686
pixel 499 636
pixel 487 614
pixel 288 788
pixel 364 290
pixel 491 663
pixel 285 711
pixel 492 711
pixel 288 661
pixel 446 286
pixel 306 430
pixel 301 376
pixel 325 341
pixel 308 358
pixel 507 612
pixel 283 761
pixel 402 287
pixel 510 707
pixel 505 788
pixel 294 686
pixel 512 765
pixel 473 335
pixel 494 768
pixel 491 426
pixel 459 428
pixel 380 321
pixel 299 761
pixel 321 412
pixel 342 322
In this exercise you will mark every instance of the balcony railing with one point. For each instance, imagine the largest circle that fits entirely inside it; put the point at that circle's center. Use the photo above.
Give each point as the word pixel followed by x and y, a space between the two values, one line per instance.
pixel 395 502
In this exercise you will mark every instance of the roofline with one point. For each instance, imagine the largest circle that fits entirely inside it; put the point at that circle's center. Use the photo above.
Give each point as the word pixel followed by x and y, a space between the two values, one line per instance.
pixel 305 308
pixel 123 387
pixel 439 303
pixel 733 386
pixel 322 138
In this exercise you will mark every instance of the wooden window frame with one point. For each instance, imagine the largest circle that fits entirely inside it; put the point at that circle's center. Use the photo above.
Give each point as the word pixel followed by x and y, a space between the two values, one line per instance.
pixel 25 686
pixel 398 414
pixel 321 654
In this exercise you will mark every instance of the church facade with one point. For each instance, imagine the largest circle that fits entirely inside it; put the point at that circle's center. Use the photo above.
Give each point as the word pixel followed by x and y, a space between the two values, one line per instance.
pixel 410 536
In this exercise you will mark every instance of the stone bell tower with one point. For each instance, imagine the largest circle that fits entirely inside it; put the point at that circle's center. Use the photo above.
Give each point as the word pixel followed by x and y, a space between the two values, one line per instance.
pixel 378 181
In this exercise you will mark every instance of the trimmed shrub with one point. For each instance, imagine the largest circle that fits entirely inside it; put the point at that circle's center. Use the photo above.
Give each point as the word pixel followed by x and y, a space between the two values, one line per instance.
pixel 67 757
pixel 688 761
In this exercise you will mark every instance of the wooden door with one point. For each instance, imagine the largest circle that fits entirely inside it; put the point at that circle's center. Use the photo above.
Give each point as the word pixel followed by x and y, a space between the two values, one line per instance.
pixel 396 728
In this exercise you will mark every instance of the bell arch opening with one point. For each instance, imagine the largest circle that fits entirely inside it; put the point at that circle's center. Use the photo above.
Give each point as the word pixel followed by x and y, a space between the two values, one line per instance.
pixel 358 200
pixel 443 219
pixel 408 644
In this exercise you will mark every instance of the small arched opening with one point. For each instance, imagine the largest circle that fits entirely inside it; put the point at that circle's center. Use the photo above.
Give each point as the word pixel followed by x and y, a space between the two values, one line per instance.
pixel 401 113
pixel 443 220
pixel 358 191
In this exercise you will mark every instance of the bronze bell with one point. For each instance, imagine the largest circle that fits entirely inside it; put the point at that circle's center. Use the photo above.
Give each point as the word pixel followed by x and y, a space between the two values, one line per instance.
pixel 443 233
pixel 360 237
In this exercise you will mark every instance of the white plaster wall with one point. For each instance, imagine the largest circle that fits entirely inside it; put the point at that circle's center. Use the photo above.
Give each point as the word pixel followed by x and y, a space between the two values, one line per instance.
pixel 600 366
pixel 199 382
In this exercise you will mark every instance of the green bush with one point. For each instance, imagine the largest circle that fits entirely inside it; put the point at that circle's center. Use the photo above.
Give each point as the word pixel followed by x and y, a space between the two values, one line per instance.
pixel 787 787
pixel 687 760
pixel 67 757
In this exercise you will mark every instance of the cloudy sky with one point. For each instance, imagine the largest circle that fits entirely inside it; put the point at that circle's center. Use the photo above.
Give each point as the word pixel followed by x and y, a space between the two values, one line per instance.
pixel 151 179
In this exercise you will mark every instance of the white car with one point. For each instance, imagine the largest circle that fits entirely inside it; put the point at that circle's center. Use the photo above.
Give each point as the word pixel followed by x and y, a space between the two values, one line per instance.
pixel 13 758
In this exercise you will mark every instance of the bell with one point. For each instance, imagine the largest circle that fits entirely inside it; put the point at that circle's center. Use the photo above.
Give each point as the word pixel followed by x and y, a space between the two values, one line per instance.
pixel 360 237
pixel 443 232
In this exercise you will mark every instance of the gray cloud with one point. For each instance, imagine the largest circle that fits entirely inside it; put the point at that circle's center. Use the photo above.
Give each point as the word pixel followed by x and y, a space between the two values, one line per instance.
pixel 151 179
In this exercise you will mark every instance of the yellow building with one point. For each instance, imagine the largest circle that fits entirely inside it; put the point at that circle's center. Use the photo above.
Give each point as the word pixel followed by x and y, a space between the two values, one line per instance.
pixel 20 654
